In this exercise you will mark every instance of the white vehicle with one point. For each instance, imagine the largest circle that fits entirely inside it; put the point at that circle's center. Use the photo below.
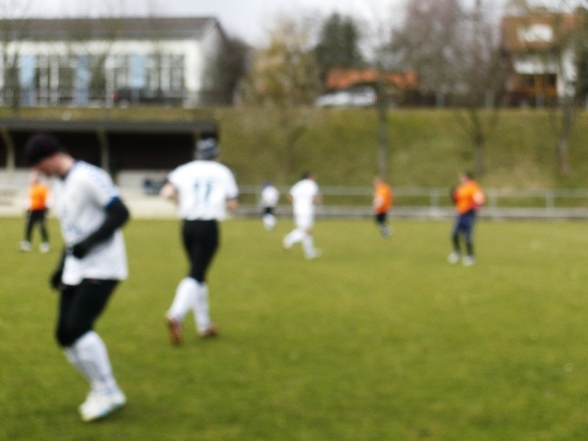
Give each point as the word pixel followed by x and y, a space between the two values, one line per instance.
pixel 356 97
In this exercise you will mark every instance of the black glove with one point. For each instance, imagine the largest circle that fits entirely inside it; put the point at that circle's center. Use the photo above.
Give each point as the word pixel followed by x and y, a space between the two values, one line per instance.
pixel 79 250
pixel 116 216
pixel 55 279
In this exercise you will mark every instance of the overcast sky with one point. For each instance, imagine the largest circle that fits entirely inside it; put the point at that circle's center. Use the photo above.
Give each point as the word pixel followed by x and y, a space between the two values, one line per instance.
pixel 247 19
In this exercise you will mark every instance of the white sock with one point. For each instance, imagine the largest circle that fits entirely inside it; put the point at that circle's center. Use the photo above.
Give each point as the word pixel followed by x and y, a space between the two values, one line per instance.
pixel 91 359
pixel 184 300
pixel 201 309
pixel 269 221
pixel 308 246
pixel 72 357
pixel 294 236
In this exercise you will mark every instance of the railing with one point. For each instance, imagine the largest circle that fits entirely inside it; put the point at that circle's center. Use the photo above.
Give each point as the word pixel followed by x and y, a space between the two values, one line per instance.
pixel 339 201
pixel 124 97
pixel 436 202
pixel 441 198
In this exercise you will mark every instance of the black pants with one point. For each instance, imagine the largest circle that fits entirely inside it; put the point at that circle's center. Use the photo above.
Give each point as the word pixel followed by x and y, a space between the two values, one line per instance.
pixel 80 306
pixel 381 218
pixel 36 217
pixel 201 239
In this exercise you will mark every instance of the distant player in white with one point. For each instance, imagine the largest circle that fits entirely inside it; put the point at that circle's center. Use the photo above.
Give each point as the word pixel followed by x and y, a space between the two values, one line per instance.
pixel 269 199
pixel 204 188
pixel 304 195
pixel 91 214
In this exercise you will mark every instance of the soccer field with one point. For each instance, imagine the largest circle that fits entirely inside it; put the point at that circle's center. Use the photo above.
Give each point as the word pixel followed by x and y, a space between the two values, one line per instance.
pixel 376 340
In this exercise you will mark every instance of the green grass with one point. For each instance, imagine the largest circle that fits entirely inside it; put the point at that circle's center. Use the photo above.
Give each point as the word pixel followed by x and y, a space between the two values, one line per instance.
pixel 426 147
pixel 377 340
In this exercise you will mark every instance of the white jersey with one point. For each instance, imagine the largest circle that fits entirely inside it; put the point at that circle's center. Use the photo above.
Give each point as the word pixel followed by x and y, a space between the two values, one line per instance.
pixel 303 193
pixel 269 196
pixel 203 189
pixel 80 200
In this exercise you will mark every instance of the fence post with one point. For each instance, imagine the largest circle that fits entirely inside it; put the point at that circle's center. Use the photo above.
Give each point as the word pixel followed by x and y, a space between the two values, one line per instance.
pixel 493 196
pixel 549 200
pixel 434 198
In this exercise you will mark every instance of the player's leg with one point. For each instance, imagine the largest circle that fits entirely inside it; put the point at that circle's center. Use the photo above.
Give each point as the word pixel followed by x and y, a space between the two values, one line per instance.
pixel 183 302
pixel 80 306
pixel 25 245
pixel 305 223
pixel 468 237
pixel 295 236
pixel 201 239
pixel 381 220
pixel 455 255
pixel 44 233
pixel 269 220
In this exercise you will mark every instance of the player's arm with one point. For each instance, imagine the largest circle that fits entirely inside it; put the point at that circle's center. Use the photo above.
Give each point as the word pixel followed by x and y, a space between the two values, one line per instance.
pixel 317 198
pixel 233 204
pixel 55 279
pixel 168 191
pixel 117 215
pixel 479 198
pixel 378 201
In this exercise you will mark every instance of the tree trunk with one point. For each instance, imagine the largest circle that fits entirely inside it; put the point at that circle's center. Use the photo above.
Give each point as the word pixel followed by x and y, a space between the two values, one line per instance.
pixel 562 155
pixel 382 142
pixel 480 162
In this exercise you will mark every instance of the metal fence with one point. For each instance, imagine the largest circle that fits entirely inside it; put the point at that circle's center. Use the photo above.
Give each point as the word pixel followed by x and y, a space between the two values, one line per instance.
pixel 436 202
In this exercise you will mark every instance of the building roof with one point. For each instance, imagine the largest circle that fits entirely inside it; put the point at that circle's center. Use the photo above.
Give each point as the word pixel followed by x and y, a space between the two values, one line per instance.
pixel 536 31
pixel 108 126
pixel 52 29
pixel 343 78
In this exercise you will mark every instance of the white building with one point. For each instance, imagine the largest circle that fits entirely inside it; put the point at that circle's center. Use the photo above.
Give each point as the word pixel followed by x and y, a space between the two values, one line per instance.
pixel 81 61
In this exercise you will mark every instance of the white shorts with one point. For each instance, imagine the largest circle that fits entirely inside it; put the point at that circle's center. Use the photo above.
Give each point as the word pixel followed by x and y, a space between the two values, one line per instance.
pixel 304 221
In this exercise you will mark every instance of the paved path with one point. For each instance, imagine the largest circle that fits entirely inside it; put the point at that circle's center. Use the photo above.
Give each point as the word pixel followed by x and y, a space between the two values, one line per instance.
pixel 13 204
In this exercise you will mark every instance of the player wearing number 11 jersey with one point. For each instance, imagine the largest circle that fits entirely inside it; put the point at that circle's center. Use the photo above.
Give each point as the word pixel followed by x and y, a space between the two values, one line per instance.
pixel 204 189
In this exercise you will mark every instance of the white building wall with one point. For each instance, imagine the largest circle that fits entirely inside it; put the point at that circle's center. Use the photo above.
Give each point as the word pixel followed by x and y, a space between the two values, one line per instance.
pixel 191 50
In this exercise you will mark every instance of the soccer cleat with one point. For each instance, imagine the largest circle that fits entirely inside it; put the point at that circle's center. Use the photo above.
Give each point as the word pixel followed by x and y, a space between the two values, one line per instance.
pixel 175 331
pixel 25 245
pixel 100 404
pixel 209 332
pixel 468 260
pixel 387 232
pixel 44 247
pixel 453 257
pixel 286 245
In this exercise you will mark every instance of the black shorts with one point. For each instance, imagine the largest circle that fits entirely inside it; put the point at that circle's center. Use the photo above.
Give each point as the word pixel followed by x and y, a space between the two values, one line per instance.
pixel 80 306
pixel 201 240
pixel 381 217
pixel 37 215
pixel 268 210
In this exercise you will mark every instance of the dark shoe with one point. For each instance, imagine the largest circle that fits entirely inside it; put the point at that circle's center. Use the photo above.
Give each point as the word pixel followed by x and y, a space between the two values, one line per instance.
pixel 175 331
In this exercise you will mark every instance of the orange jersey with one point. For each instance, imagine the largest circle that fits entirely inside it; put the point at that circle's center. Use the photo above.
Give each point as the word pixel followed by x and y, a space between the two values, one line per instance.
pixel 38 194
pixel 383 198
pixel 468 196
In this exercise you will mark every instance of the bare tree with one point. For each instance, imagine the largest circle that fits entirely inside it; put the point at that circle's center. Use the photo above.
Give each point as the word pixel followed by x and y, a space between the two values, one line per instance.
pixel 455 53
pixel 559 53
pixel 284 78
pixel 226 70
pixel 480 76
pixel 13 28
pixel 427 43
pixel 383 60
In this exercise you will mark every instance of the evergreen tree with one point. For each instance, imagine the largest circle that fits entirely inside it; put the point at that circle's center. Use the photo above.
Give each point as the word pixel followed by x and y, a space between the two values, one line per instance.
pixel 339 45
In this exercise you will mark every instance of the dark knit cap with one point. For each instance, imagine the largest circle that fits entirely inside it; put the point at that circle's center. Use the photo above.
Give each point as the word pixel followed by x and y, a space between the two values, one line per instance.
pixel 207 148
pixel 40 146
